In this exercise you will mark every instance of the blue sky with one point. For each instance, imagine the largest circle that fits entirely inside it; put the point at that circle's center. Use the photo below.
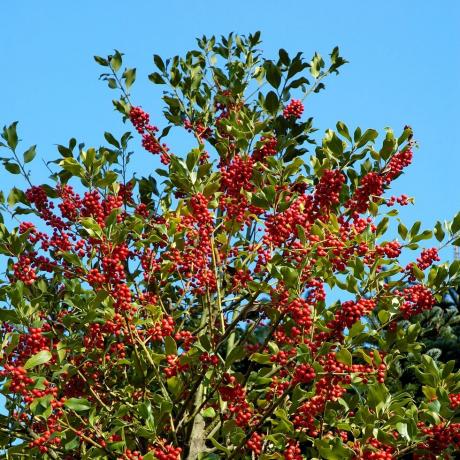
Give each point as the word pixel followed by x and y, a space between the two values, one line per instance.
pixel 404 69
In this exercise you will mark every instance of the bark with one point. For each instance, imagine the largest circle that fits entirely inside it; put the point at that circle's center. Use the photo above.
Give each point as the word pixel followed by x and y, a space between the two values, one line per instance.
pixel 197 436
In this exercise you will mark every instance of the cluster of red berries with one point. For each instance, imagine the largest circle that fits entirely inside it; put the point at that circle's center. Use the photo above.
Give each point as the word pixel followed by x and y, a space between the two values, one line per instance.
pixel 376 450
pixel 294 109
pixel 208 359
pixel 132 455
pixel 162 329
pixel 300 312
pixel 19 378
pixel 44 439
pixel 304 373
pixel 235 394
pixel 95 278
pixel 254 443
pixel 174 366
pixel 418 298
pixel 141 121
pixel 398 162
pixel 268 148
pixel 427 257
pixel 23 270
pixel 241 278
pixel 201 131
pixel 167 452
pixel 236 176
pixel 282 356
pixel 194 260
pixel 440 437
pixel 185 338
pixel 292 451
pixel 280 226
pixel 371 186
pixel 391 249
pixel 402 200
pixel 92 206
pixel 350 312
pixel 327 190
pixel 454 400
pixel 70 202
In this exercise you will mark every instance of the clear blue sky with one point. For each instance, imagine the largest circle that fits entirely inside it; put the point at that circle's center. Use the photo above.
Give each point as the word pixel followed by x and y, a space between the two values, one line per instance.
pixel 404 69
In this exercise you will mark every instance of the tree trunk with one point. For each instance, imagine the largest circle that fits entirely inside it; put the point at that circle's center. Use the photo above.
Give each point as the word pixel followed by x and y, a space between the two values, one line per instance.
pixel 197 436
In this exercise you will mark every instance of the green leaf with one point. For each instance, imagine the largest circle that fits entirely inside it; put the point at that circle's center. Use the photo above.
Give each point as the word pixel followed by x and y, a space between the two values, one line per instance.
pixel 8 315
pixel 10 135
pixel 209 412
pixel 260 358
pixel 273 74
pixel 16 196
pixel 316 64
pixel 236 354
pixel 170 346
pixel 290 276
pixel 369 136
pixel 271 102
pixel 344 356
pixel 72 165
pixel 343 130
pixel 112 83
pixel 417 272
pixel 101 61
pixel 219 446
pixel 447 369
pixel 389 145
pixel 130 76
pixel 415 228
pixel 377 393
pixel 175 385
pixel 284 56
pixel 78 404
pixel 402 430
pixel 11 167
pixel 39 358
pixel 111 140
pixel 91 226
pixel 159 62
pixel 116 61
pixel 402 231
pixel 439 231
pixel 156 78
pixel 425 235
pixel 382 226
pixel 29 154
pixel 456 224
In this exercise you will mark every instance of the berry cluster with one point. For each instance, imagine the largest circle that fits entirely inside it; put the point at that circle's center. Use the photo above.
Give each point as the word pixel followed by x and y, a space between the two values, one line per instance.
pixel 267 149
pixel 454 399
pixel 350 312
pixel 141 121
pixel 371 186
pixel 24 271
pixel 255 443
pixel 418 298
pixel 235 394
pixel 398 162
pixel 440 437
pixel 167 452
pixel 427 257
pixel 294 109
pixel 293 451
pixel 327 190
